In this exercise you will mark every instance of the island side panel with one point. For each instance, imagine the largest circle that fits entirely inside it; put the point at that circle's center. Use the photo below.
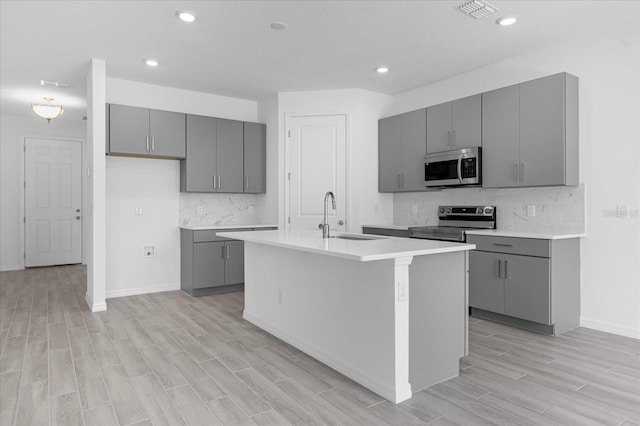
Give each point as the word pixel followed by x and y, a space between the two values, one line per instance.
pixel 341 312
pixel 438 315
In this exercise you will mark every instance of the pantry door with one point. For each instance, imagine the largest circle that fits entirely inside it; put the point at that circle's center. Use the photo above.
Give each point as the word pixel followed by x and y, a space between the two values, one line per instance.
pixel 53 200
pixel 317 150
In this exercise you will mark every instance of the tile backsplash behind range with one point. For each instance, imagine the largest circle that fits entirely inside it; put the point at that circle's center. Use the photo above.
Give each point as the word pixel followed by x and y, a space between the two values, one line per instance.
pixel 557 209
pixel 218 209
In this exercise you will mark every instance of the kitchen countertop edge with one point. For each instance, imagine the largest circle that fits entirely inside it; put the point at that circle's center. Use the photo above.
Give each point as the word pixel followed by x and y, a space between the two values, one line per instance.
pixel 228 226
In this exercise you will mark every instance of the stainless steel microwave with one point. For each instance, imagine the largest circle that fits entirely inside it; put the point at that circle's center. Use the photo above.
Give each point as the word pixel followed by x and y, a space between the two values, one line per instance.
pixel 461 167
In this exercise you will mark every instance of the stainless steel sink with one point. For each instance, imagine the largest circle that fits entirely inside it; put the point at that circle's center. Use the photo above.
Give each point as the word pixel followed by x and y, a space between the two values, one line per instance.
pixel 357 237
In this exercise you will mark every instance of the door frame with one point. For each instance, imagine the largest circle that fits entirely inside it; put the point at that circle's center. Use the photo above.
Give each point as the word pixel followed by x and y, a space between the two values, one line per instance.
pixel 287 149
pixel 23 198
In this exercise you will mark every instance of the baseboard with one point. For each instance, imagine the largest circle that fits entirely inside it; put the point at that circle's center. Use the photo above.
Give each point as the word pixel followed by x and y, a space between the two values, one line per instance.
pixel 379 388
pixel 8 268
pixel 142 290
pixel 610 327
pixel 95 307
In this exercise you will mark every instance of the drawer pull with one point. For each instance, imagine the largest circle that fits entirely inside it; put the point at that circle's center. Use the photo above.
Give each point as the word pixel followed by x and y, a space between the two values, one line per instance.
pixel 502 245
pixel 499 268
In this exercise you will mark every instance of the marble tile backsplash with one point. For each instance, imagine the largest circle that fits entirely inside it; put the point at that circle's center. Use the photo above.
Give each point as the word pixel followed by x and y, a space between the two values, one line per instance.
pixel 557 209
pixel 218 209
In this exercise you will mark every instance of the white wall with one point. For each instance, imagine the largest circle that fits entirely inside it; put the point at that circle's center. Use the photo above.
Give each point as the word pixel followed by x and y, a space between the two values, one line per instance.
pixel 363 109
pixel 13 129
pixel 268 204
pixel 608 66
pixel 154 185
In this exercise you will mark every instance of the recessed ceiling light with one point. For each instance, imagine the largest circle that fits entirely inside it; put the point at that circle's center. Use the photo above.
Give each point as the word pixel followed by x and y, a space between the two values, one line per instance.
pixel 185 16
pixel 506 21
pixel 278 25
pixel 151 62
pixel 382 70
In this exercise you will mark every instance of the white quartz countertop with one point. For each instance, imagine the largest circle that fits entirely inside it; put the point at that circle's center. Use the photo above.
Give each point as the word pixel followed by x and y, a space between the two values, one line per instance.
pixel 527 234
pixel 228 226
pixel 399 227
pixel 375 248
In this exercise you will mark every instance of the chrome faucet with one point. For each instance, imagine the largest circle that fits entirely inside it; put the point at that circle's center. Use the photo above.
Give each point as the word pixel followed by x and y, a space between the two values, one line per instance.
pixel 324 225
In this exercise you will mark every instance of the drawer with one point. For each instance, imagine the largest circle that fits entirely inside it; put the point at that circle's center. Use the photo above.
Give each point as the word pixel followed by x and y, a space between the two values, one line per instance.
pixel 211 234
pixel 510 245
pixel 388 232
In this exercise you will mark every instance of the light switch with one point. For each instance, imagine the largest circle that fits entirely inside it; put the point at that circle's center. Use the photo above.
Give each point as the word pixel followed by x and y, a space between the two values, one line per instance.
pixel 531 210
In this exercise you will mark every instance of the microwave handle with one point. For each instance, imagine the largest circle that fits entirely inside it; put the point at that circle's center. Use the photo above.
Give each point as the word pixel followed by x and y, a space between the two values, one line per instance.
pixel 460 169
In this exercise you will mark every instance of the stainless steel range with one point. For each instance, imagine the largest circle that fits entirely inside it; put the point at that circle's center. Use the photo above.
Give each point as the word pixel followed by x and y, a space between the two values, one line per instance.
pixel 453 221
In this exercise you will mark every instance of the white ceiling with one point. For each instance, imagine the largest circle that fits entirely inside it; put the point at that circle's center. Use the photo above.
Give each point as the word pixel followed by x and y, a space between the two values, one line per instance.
pixel 231 50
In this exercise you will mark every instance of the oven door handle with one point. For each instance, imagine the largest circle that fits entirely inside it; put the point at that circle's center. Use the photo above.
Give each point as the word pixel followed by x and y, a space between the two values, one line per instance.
pixel 460 169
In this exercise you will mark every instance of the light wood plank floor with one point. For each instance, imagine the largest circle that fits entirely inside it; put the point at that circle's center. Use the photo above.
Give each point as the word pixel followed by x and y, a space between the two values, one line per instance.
pixel 169 359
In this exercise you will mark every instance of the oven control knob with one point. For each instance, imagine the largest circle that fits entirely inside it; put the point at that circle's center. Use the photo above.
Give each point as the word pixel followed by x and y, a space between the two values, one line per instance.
pixel 488 210
pixel 448 210
pixel 479 210
pixel 441 210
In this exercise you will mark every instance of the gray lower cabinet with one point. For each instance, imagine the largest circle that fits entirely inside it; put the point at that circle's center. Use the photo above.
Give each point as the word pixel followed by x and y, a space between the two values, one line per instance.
pixel 530 283
pixel 401 150
pixel 143 132
pixel 454 125
pixel 209 263
pixel 530 133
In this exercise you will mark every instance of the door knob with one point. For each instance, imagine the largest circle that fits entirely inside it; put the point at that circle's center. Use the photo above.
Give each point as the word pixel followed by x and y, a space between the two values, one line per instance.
pixel 77 210
pixel 78 217
pixel 341 222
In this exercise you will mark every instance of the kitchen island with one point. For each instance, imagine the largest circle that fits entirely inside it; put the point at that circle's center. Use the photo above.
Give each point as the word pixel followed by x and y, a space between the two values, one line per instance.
pixel 390 313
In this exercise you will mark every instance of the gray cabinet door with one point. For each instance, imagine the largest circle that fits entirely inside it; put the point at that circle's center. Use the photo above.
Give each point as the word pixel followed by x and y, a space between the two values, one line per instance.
pixel 486 287
pixel 527 288
pixel 229 155
pixel 208 264
pixel 466 122
pixel 128 130
pixel 234 263
pixel 197 170
pixel 167 132
pixel 439 128
pixel 500 137
pixel 254 157
pixel 414 148
pixel 389 153
pixel 542 131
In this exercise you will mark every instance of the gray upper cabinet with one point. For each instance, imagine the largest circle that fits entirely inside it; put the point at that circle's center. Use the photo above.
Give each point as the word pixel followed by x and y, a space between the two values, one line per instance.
pixel 142 132
pixel 402 146
pixel 197 170
pixel 254 158
pixel 455 125
pixel 229 155
pixel 530 133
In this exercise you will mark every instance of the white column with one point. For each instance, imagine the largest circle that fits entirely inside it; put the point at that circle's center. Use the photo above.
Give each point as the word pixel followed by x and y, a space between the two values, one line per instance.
pixel 95 169
pixel 401 291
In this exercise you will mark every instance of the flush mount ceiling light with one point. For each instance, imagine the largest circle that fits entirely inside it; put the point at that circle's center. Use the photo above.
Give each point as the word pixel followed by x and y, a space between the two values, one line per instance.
pixel 279 25
pixel 47 83
pixel 382 70
pixel 477 9
pixel 185 16
pixel 151 62
pixel 48 111
pixel 507 20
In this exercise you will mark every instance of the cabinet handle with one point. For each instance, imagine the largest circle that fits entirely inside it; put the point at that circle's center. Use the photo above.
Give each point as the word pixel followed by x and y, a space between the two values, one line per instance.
pixel 502 245
pixel 522 172
pixel 515 171
pixel 228 253
pixel 506 270
pixel 214 182
pixel 219 182
pixel 402 179
pixel 449 138
pixel 153 143
pixel 147 140
pixel 499 268
pixel 454 139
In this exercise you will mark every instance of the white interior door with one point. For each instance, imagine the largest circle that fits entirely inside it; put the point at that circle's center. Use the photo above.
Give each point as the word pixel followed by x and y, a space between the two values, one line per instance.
pixel 53 200
pixel 317 164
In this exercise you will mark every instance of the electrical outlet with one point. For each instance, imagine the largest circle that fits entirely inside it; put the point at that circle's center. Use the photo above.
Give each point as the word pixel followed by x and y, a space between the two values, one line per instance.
pixel 403 291
pixel 279 297
pixel 623 211
pixel 414 209
pixel 138 211
pixel 200 210
pixel 531 210
pixel 250 209
pixel 149 251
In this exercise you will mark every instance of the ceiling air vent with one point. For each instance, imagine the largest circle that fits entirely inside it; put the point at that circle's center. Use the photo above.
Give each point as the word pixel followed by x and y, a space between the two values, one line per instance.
pixel 477 9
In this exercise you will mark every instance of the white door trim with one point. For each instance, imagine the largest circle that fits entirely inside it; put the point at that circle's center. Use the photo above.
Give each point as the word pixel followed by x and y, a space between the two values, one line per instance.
pixel 23 139
pixel 287 149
